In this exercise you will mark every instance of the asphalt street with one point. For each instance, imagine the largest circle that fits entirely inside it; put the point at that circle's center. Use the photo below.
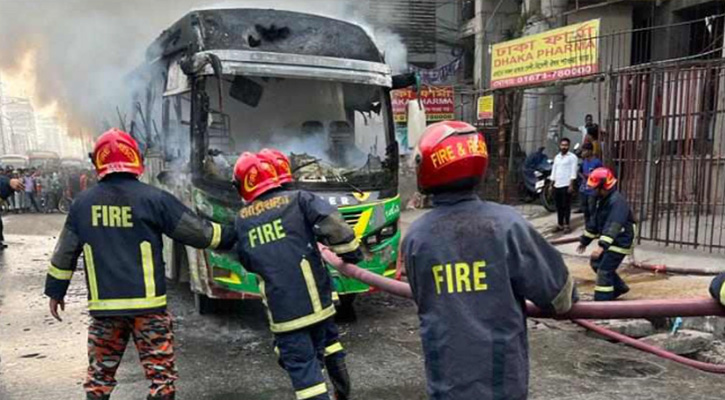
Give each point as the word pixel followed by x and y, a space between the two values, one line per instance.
pixel 230 357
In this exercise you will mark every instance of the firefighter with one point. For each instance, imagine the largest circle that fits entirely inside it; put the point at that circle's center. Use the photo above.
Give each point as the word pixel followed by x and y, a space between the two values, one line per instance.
pixel 117 225
pixel 278 230
pixel 8 187
pixel 613 225
pixel 717 288
pixel 471 265
pixel 334 351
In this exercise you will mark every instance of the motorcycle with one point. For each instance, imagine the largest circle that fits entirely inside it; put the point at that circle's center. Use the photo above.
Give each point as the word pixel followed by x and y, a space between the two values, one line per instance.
pixel 536 173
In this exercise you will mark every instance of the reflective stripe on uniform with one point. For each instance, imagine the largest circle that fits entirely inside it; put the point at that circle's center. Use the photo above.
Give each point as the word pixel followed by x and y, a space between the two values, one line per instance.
pixel 333 348
pixel 59 274
pixel 563 301
pixel 346 248
pixel 722 294
pixel 147 261
pixel 590 235
pixel 91 269
pixel 620 250
pixel 606 239
pixel 263 291
pixel 127 304
pixel 311 391
pixel 335 296
pixel 216 237
pixel 299 323
pixel 311 285
pixel 604 289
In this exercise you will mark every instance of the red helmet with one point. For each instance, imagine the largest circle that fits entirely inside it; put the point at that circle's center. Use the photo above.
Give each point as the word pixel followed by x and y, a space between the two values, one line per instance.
pixel 254 176
pixel 281 164
pixel 117 151
pixel 601 178
pixel 449 154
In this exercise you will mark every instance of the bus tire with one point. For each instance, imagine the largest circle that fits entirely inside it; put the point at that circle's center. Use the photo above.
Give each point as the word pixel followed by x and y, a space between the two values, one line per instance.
pixel 346 309
pixel 203 304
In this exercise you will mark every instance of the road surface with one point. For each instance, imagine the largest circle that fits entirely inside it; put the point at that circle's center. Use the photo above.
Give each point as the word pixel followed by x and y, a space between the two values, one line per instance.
pixel 230 357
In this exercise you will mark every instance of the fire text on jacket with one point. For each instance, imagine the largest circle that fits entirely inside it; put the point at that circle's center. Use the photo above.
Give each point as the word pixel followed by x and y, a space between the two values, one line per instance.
pixel 460 277
pixel 269 232
pixel 111 216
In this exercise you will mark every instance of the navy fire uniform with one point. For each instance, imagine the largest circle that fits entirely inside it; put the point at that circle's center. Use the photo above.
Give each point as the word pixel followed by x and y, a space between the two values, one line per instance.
pixel 117 225
pixel 717 288
pixel 471 266
pixel 613 224
pixel 277 240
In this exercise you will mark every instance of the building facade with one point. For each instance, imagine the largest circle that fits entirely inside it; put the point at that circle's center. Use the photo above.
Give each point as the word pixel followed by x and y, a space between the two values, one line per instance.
pixel 18 125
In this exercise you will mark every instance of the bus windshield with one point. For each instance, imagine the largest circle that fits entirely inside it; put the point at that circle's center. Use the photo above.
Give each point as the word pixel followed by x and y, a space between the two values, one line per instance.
pixel 335 133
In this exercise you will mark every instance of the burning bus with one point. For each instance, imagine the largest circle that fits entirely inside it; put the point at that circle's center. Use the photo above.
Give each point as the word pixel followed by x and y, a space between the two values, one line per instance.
pixel 223 81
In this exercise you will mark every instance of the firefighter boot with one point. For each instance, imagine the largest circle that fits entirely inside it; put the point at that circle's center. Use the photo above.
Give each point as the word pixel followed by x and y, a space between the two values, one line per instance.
pixel 91 396
pixel 337 371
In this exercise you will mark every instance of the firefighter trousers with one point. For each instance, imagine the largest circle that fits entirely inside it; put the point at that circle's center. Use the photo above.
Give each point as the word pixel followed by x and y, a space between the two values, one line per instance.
pixel 609 284
pixel 301 354
pixel 154 340
pixel 335 361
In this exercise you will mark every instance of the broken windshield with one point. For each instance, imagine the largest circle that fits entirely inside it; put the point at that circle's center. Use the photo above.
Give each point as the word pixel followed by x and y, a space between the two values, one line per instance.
pixel 335 133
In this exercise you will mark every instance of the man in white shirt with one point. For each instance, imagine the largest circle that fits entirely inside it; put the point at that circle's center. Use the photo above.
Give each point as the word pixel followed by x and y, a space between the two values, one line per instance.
pixel 564 173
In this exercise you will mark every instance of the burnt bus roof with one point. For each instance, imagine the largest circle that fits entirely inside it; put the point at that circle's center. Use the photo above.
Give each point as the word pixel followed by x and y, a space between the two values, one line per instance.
pixel 268 31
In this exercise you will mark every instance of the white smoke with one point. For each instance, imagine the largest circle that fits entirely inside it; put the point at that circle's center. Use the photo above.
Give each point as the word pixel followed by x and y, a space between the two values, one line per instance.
pixel 85 48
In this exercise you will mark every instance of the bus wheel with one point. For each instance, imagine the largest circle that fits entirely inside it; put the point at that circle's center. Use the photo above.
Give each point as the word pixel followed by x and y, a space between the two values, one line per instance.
pixel 346 309
pixel 203 304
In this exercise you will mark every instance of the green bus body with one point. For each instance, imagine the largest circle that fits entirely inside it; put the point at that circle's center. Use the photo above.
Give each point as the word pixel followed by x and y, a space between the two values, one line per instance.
pixel 367 219
pixel 214 94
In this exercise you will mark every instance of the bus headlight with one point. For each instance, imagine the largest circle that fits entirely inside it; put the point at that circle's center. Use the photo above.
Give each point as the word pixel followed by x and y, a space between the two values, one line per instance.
pixel 388 231
pixel 382 235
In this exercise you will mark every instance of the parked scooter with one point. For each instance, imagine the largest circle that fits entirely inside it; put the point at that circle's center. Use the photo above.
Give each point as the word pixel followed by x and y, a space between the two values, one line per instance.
pixel 537 178
pixel 536 173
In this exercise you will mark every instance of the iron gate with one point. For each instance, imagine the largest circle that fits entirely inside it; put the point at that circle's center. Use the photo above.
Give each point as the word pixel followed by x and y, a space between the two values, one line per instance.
pixel 665 138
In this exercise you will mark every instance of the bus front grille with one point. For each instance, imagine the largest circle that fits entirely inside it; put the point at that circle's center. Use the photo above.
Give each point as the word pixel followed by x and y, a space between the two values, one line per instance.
pixel 352 218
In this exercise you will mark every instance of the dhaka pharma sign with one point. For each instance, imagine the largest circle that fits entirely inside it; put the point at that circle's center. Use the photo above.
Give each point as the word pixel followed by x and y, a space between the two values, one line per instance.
pixel 562 53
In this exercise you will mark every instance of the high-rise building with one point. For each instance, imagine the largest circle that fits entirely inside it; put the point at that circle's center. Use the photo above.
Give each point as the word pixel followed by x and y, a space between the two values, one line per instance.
pixel 50 133
pixel 18 118
pixel 5 140
pixel 428 28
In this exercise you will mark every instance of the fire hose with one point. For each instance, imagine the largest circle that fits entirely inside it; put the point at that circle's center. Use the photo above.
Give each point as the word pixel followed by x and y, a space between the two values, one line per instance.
pixel 656 268
pixel 579 311
pixel 638 344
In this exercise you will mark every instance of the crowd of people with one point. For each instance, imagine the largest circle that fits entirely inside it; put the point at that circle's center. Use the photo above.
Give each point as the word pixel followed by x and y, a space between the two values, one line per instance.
pixel 45 188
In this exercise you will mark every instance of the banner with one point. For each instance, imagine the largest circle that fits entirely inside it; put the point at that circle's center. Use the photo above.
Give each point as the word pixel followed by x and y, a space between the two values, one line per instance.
pixel 568 52
pixel 438 75
pixel 485 107
pixel 437 100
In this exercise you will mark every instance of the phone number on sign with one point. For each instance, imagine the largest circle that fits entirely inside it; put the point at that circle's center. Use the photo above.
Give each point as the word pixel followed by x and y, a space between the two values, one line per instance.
pixel 546 76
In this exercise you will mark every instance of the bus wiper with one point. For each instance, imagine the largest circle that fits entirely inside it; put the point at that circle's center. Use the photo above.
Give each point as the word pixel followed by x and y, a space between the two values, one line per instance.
pixel 307 164
pixel 340 178
pixel 353 187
